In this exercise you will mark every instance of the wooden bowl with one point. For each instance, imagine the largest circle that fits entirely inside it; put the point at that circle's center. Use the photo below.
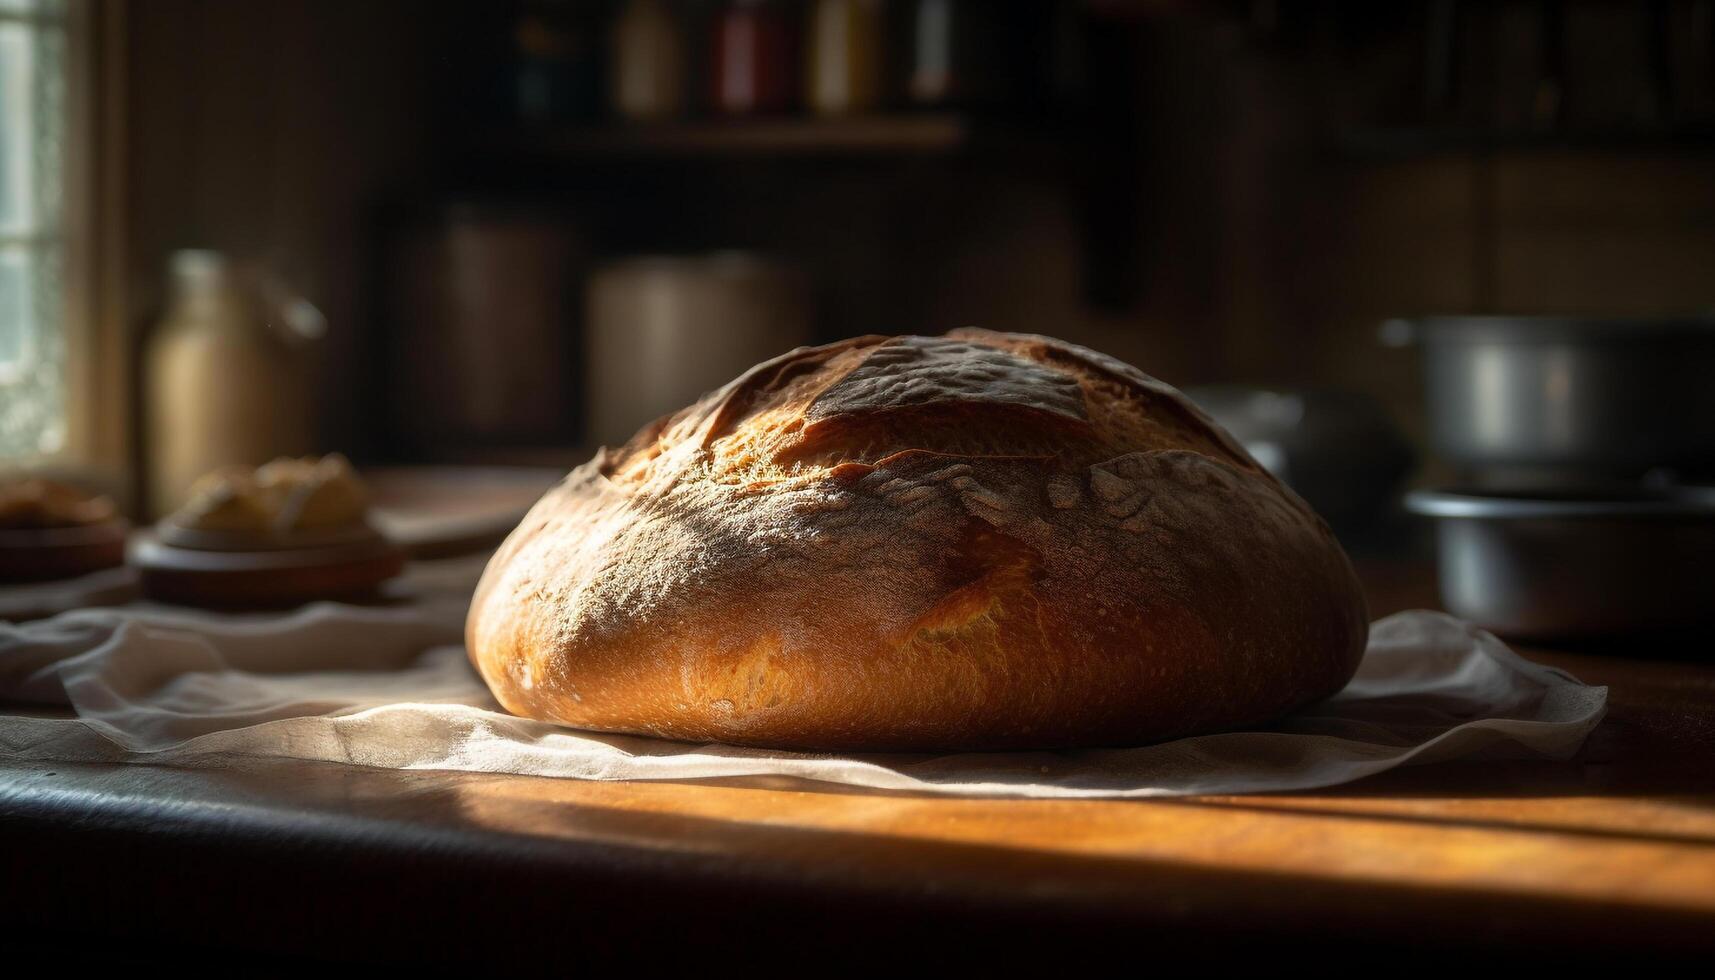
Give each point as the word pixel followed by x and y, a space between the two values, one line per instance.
pixel 270 576
pixel 40 554
pixel 322 538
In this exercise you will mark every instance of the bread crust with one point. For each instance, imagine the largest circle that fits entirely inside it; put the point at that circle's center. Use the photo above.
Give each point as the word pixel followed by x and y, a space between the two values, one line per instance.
pixel 979 541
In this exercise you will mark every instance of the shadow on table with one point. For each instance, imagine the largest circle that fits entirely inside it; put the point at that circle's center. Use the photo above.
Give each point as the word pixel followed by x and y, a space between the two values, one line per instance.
pixel 450 867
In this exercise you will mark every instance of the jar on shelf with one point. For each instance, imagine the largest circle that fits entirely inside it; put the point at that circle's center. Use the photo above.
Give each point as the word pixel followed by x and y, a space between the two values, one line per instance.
pixel 646 80
pixel 955 55
pixel 226 375
pixel 843 56
pixel 752 60
pixel 556 62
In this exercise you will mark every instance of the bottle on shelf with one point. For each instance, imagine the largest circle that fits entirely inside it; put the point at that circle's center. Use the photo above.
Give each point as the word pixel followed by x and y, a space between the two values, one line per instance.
pixel 954 55
pixel 646 81
pixel 752 60
pixel 843 56
pixel 555 62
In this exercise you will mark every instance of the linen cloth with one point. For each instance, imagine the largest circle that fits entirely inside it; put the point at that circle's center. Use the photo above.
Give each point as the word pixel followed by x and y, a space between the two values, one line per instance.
pixel 390 686
pixel 34 600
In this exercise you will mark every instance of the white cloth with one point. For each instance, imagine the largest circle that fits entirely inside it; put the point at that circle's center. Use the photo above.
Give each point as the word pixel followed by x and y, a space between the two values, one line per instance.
pixel 33 600
pixel 390 687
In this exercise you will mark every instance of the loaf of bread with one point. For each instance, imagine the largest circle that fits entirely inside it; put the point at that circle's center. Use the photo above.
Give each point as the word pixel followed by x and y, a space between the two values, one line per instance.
pixel 978 541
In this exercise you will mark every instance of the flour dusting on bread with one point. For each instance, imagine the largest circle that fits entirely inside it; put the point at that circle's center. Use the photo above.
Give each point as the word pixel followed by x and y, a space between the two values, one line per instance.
pixel 979 541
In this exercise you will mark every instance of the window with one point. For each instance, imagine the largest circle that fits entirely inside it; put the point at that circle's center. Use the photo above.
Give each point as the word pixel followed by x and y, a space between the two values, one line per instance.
pixel 32 240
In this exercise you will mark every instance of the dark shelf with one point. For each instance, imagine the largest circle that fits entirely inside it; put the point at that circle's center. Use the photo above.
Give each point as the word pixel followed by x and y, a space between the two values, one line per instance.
pixel 878 135
pixel 1409 141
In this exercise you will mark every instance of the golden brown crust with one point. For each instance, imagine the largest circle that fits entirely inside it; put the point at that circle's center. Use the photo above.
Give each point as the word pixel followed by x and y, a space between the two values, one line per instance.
pixel 980 541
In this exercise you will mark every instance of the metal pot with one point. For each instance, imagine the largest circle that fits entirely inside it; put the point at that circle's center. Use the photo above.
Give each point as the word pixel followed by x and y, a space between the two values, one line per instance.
pixel 1561 566
pixel 1567 398
pixel 1337 449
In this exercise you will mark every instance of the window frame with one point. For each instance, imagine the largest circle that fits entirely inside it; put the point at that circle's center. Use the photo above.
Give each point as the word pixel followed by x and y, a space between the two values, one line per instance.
pixel 98 445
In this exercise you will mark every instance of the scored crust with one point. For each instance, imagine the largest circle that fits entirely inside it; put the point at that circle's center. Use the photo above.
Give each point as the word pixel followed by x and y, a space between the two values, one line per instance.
pixel 978 541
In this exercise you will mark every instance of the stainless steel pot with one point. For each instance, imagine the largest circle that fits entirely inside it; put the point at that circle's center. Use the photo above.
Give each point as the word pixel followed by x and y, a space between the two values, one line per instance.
pixel 1337 449
pixel 1567 397
pixel 1562 566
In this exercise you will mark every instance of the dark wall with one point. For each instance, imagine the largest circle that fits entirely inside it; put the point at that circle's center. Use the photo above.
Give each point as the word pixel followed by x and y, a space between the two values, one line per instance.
pixel 1263 244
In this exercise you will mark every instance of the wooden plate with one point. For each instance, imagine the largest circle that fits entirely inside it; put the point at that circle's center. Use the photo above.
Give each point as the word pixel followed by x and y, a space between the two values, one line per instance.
pixel 447 511
pixel 263 578
pixel 40 554
pixel 196 539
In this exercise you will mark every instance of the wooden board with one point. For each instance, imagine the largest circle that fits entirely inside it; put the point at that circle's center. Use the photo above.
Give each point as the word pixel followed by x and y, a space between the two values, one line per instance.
pixel 272 578
pixel 445 511
pixel 61 552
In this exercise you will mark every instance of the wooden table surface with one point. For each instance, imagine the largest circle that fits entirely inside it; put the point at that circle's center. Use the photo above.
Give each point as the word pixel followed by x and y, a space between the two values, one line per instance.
pixel 1613 851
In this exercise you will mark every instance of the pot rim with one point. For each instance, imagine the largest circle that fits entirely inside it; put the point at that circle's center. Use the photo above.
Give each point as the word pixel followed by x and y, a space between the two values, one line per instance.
pixel 1680 501
pixel 1493 328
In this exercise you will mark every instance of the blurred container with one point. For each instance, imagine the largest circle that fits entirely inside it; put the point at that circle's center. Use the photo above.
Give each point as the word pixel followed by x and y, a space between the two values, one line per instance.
pixel 1338 450
pixel 843 56
pixel 1557 400
pixel 752 60
pixel 956 53
pixel 483 343
pixel 647 80
pixel 662 331
pixel 226 379
pixel 556 71
pixel 1558 566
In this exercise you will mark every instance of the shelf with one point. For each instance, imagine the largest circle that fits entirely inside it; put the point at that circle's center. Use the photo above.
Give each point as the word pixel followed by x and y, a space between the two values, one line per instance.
pixel 1420 141
pixel 853 136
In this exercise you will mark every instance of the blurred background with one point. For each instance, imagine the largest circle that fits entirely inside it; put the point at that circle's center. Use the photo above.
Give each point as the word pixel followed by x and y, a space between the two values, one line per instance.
pixel 499 233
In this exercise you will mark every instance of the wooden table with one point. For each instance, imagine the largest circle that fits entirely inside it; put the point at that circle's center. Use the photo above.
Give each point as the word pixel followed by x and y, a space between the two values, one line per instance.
pixel 1612 852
